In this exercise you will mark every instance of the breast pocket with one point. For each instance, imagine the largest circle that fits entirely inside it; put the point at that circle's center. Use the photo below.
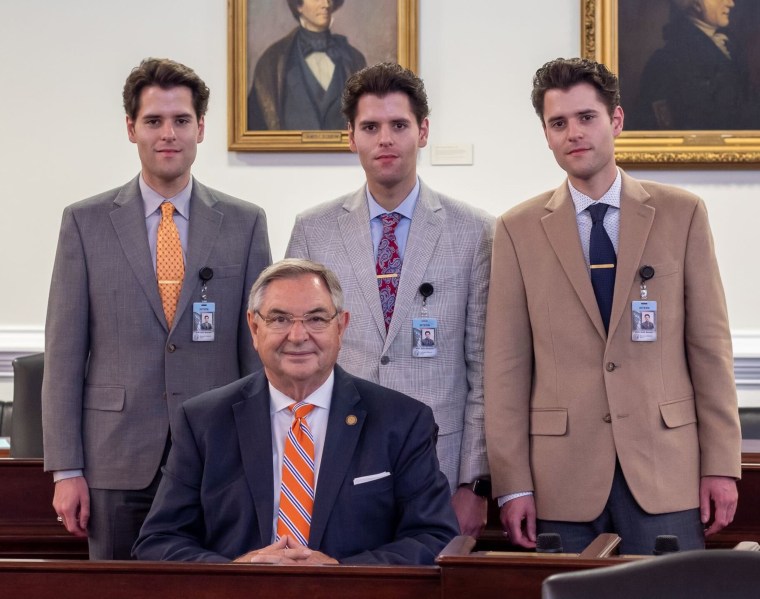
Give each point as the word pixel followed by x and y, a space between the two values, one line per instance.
pixel 374 487
pixel 665 269
pixel 225 272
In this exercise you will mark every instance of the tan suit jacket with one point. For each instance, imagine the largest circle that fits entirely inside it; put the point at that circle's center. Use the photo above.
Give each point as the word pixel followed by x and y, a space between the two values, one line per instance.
pixel 563 398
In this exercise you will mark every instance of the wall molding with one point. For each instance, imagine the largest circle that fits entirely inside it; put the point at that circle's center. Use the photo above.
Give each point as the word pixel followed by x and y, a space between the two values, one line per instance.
pixel 16 342
pixel 22 341
pixel 747 366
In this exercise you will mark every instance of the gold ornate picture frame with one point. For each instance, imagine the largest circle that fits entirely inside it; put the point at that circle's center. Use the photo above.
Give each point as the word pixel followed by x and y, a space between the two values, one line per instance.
pixel 383 30
pixel 641 23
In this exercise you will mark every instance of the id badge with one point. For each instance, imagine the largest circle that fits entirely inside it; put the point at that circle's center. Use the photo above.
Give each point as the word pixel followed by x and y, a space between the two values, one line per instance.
pixel 204 325
pixel 424 332
pixel 643 321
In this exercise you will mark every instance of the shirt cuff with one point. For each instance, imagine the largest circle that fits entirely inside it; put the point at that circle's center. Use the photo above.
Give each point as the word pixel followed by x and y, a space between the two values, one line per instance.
pixel 505 498
pixel 59 475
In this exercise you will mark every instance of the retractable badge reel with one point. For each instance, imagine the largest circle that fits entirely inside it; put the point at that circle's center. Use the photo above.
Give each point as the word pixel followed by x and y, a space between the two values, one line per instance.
pixel 644 312
pixel 204 311
pixel 424 328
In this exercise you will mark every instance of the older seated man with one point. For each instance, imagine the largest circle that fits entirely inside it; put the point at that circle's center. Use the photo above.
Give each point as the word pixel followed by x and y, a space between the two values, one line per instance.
pixel 300 462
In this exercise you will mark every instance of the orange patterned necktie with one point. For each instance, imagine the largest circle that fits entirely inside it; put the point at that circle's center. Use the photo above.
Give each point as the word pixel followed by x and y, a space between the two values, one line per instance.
pixel 170 267
pixel 297 488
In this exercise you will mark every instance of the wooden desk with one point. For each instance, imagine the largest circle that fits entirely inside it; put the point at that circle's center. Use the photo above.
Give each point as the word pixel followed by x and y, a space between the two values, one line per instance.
pixel 151 580
pixel 28 528
pixel 472 570
pixel 28 525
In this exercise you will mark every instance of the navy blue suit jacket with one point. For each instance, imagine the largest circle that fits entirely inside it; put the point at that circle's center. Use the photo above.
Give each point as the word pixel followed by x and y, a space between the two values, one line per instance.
pixel 215 501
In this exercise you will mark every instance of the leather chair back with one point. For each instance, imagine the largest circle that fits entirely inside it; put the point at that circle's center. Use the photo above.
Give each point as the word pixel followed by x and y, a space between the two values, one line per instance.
pixel 6 414
pixel 750 422
pixel 713 573
pixel 26 432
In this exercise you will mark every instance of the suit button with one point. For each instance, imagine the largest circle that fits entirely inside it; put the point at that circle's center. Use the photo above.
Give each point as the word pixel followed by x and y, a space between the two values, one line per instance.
pixel 384 360
pixel 607 418
pixel 172 348
pixel 610 366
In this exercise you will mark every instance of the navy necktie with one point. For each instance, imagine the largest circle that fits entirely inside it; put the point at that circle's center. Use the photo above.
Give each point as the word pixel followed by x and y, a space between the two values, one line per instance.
pixel 603 262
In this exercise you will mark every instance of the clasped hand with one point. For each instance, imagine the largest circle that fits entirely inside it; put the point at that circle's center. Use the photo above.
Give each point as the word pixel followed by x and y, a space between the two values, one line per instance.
pixel 286 551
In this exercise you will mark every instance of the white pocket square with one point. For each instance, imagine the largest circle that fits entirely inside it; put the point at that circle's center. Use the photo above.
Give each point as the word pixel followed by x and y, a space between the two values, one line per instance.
pixel 360 480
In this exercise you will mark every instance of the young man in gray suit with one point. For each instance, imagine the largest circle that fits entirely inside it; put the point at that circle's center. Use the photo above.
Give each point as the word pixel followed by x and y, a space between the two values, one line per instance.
pixel 122 347
pixel 410 259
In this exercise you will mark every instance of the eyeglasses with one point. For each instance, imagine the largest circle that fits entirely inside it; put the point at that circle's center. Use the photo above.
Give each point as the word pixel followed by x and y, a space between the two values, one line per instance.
pixel 282 323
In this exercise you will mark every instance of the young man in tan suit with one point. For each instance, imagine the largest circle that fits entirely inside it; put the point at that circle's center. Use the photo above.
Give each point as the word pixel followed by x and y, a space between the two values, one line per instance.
pixel 578 441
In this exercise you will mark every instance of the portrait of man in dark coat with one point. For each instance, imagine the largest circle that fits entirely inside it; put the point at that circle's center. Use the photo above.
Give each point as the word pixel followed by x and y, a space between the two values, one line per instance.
pixel 700 77
pixel 298 80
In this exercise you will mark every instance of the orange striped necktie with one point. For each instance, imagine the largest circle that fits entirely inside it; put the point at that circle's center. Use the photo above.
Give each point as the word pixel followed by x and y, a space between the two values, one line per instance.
pixel 170 267
pixel 297 488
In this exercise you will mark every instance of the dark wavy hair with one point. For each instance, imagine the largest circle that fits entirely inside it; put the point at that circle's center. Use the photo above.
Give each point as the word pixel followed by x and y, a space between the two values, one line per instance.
pixel 165 74
pixel 380 80
pixel 564 73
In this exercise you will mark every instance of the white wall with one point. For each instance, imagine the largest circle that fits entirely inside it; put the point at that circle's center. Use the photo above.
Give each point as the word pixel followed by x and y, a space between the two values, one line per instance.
pixel 62 134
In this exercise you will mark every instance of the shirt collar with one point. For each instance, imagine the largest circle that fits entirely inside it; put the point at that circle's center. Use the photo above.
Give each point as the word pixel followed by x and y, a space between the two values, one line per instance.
pixel 706 28
pixel 321 397
pixel 405 208
pixel 152 199
pixel 611 197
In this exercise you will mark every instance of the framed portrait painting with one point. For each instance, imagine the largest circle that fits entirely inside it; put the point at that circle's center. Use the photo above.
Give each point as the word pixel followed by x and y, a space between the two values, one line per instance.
pixel 689 77
pixel 289 61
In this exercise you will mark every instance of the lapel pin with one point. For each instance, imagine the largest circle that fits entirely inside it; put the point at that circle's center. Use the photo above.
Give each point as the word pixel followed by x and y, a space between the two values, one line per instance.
pixel 351 420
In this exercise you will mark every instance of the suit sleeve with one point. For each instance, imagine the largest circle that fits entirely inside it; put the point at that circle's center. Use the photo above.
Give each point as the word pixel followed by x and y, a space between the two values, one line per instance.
pixel 174 528
pixel 709 353
pixel 66 351
pixel 508 370
pixel 259 257
pixel 473 459
pixel 297 246
pixel 426 520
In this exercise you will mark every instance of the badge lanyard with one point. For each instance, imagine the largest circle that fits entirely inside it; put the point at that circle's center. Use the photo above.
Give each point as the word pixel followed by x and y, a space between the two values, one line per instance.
pixel 424 328
pixel 204 312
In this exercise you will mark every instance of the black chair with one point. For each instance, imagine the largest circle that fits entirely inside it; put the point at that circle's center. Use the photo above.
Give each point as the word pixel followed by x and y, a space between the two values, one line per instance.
pixel 714 573
pixel 26 432
pixel 6 414
pixel 749 419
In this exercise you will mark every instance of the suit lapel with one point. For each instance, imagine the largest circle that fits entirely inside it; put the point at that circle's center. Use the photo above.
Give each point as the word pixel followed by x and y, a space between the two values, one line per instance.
pixel 341 440
pixel 254 430
pixel 636 218
pixel 128 221
pixel 205 222
pixel 427 224
pixel 353 225
pixel 561 228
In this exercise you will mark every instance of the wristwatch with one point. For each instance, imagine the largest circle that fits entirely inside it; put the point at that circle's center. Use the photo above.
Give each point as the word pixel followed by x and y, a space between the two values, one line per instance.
pixel 480 486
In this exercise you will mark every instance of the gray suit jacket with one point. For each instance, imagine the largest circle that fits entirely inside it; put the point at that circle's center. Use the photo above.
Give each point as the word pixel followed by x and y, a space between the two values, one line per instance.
pixel 114 375
pixel 449 246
